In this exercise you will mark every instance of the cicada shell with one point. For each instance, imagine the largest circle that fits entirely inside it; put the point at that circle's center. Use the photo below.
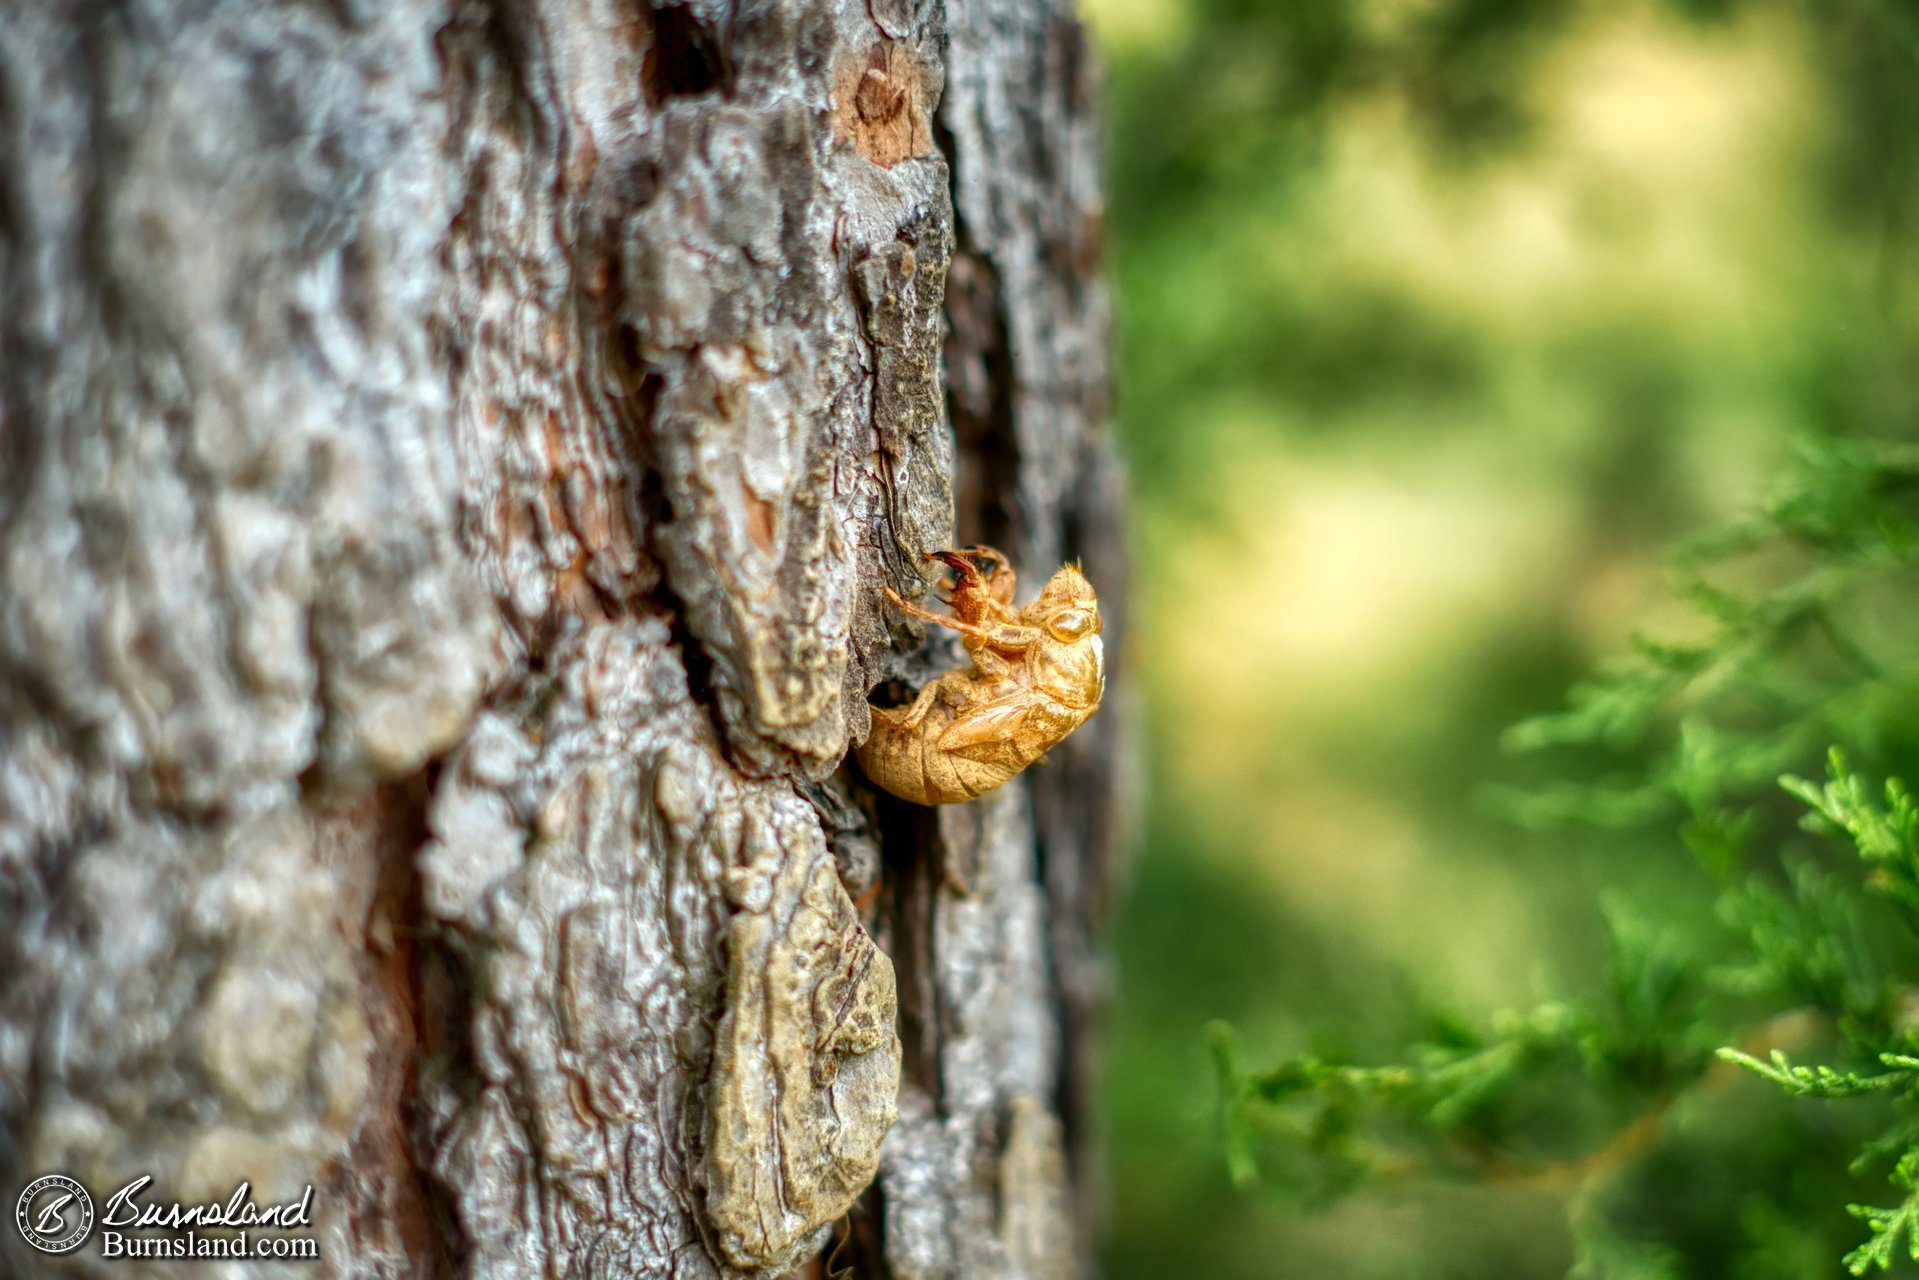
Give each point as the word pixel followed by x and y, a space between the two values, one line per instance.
pixel 1037 674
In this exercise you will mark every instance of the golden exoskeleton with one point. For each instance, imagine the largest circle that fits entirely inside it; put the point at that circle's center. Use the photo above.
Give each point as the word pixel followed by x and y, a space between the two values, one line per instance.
pixel 1037 675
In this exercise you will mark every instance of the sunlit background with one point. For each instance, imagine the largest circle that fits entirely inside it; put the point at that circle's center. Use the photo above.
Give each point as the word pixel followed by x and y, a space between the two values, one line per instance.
pixel 1440 320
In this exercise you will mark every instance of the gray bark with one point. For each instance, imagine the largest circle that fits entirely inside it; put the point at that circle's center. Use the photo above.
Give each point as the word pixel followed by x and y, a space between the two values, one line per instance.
pixel 450 456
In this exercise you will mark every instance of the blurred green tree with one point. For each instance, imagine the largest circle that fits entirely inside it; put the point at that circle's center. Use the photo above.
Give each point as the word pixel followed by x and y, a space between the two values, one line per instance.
pixel 1443 318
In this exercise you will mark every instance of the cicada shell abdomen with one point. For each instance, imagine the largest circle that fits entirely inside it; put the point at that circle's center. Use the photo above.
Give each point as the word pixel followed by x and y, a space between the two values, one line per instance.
pixel 946 757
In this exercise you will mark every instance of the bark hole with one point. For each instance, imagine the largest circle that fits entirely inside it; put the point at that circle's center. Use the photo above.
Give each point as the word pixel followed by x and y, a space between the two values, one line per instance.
pixel 391 1207
pixel 686 59
pixel 909 839
pixel 979 384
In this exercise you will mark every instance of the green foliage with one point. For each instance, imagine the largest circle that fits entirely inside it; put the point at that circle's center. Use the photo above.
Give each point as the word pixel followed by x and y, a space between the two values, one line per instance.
pixel 1808 608
pixel 1815 1082
pixel 1438 322
pixel 1887 1225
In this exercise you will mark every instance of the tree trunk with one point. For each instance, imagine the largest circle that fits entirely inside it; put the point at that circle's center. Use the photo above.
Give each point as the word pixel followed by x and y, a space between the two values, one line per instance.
pixel 450 460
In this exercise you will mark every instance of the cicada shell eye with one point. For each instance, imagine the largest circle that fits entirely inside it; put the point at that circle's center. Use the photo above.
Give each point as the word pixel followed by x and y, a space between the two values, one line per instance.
pixel 1074 624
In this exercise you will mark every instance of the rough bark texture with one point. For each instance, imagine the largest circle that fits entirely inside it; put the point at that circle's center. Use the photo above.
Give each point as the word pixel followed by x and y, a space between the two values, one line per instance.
pixel 450 455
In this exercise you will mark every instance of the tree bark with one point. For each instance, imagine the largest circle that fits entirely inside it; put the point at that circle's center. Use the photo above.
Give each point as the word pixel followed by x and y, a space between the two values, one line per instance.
pixel 450 457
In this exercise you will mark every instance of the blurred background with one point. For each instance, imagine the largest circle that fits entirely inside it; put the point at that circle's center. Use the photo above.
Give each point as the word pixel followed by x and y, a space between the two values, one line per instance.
pixel 1441 320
